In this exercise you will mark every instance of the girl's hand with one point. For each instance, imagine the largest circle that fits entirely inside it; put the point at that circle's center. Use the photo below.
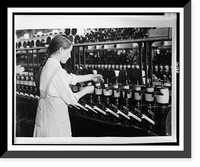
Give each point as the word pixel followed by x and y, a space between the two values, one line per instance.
pixel 89 89
pixel 97 78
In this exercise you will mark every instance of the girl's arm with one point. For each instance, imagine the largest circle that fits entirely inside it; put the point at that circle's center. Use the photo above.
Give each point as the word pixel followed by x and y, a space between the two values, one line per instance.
pixel 61 83
pixel 86 90
pixel 88 77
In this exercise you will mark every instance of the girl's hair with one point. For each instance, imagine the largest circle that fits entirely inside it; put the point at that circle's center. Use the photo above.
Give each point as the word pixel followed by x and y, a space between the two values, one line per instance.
pixel 56 43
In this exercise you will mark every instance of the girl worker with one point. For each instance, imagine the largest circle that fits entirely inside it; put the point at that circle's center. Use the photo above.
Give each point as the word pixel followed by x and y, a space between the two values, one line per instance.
pixel 52 118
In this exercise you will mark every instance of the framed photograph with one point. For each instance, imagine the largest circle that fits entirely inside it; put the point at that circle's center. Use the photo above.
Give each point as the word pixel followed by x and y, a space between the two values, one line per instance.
pixel 141 106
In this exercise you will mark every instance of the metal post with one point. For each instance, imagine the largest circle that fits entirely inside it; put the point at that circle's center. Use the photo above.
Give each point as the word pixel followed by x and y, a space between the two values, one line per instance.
pixel 33 61
pixel 84 55
pixel 28 61
pixel 145 65
pixel 140 61
pixel 79 57
pixel 151 63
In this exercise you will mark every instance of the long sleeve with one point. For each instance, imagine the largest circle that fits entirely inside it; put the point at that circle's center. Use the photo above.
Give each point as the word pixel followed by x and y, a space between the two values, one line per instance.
pixel 61 82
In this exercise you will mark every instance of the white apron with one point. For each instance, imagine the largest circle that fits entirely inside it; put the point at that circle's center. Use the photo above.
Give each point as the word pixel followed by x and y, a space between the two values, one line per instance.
pixel 52 118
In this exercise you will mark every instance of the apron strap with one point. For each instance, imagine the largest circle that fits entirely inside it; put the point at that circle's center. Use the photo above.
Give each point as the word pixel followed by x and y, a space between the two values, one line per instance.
pixel 52 76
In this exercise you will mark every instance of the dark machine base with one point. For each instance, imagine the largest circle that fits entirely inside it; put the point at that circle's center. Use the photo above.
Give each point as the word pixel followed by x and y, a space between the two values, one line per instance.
pixel 89 125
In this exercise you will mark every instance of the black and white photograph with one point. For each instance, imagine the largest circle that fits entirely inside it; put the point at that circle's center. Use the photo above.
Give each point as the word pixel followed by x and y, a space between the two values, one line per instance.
pixel 96 81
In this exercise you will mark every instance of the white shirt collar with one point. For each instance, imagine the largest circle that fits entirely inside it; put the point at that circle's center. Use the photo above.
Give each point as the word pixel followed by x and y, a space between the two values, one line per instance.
pixel 55 61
